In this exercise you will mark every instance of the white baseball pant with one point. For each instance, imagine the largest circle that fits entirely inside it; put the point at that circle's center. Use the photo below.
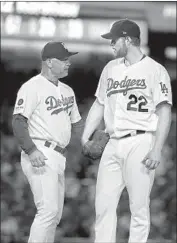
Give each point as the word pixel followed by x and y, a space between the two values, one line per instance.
pixel 121 165
pixel 47 186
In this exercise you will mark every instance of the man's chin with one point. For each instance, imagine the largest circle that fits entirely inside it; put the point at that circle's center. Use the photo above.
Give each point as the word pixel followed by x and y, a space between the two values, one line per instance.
pixel 117 55
pixel 64 74
pixel 120 56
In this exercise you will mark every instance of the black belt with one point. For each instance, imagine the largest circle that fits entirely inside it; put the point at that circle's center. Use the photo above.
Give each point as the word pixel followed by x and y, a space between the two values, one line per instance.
pixel 133 133
pixel 56 148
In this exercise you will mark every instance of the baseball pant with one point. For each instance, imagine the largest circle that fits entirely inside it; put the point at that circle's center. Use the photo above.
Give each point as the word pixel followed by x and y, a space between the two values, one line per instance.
pixel 47 186
pixel 121 166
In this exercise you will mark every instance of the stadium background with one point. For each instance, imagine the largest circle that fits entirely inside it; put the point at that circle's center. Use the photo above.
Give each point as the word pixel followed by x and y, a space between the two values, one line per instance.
pixel 25 28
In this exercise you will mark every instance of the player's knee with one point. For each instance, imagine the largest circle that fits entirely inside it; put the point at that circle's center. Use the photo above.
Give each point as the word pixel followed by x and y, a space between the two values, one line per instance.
pixel 141 212
pixel 54 212
pixel 49 213
pixel 139 205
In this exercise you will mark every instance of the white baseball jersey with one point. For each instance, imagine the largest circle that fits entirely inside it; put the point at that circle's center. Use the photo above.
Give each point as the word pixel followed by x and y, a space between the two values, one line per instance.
pixel 130 95
pixel 50 109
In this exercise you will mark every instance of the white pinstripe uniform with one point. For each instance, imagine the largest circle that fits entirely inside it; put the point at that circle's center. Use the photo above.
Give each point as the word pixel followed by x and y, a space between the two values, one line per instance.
pixel 130 95
pixel 50 111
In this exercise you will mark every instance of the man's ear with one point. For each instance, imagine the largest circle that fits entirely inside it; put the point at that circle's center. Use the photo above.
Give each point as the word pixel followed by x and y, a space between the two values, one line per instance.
pixel 128 40
pixel 49 62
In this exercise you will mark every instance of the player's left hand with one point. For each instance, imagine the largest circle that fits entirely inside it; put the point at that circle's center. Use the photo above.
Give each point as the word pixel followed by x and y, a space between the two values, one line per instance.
pixel 152 160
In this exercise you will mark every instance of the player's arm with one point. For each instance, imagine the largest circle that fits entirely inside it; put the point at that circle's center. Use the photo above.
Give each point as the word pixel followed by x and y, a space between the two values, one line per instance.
pixel 93 120
pixel 20 130
pixel 162 98
pixel 78 127
pixel 26 103
pixel 75 117
pixel 96 113
pixel 163 111
pixel 77 123
pixel 163 101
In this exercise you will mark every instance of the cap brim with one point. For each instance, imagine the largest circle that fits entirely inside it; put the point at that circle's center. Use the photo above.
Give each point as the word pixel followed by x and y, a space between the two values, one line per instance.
pixel 72 53
pixel 107 36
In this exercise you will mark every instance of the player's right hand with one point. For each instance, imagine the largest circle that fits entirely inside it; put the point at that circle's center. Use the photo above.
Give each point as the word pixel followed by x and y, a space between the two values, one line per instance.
pixel 37 158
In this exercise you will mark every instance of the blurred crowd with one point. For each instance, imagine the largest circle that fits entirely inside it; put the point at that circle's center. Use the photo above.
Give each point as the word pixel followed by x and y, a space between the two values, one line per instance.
pixel 17 207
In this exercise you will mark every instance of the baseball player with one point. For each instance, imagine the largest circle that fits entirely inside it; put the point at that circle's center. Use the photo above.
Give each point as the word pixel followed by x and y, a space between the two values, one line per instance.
pixel 44 115
pixel 134 98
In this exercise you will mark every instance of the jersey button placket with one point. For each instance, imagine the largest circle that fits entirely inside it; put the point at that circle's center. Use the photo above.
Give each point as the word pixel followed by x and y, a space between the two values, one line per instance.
pixel 116 115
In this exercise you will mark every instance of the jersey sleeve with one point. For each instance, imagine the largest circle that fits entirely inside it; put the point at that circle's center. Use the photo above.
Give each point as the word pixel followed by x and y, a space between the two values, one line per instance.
pixel 101 89
pixel 162 87
pixel 75 115
pixel 26 100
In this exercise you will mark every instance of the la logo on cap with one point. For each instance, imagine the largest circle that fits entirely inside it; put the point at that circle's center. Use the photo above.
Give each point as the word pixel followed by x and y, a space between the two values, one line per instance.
pixel 63 44
pixel 124 32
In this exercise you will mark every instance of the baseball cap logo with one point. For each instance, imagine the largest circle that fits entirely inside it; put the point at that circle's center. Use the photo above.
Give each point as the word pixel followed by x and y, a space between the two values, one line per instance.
pixel 63 45
pixel 124 32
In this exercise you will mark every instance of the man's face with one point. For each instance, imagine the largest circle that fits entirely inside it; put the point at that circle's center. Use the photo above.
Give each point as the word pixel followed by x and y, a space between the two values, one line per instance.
pixel 60 68
pixel 119 47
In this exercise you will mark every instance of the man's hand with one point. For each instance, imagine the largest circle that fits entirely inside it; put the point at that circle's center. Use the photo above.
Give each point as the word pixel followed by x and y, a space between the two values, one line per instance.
pixel 152 160
pixel 37 158
pixel 94 148
pixel 83 141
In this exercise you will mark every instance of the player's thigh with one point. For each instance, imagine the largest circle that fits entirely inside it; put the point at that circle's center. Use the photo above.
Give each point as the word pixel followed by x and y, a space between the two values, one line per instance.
pixel 45 185
pixel 138 178
pixel 109 179
pixel 61 190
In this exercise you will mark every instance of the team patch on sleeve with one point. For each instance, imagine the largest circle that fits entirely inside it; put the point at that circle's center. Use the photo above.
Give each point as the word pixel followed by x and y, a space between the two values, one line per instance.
pixel 164 88
pixel 20 102
pixel 19 107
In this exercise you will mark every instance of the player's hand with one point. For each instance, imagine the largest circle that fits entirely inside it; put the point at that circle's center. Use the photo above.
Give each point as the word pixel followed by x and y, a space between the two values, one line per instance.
pixel 83 141
pixel 37 158
pixel 152 160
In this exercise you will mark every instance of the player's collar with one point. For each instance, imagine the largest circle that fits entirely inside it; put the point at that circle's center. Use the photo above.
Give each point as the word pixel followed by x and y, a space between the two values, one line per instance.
pixel 135 62
pixel 55 83
pixel 142 57
pixel 51 81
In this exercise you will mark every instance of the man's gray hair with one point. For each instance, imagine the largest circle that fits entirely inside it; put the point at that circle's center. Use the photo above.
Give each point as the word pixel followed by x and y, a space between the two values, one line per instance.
pixel 135 41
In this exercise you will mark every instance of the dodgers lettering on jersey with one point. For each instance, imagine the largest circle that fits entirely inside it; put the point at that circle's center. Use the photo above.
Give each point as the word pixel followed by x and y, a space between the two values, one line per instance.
pixel 50 109
pixel 124 85
pixel 130 95
pixel 58 105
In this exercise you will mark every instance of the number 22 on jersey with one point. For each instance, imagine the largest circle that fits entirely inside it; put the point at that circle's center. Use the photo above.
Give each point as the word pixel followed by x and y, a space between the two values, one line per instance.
pixel 137 103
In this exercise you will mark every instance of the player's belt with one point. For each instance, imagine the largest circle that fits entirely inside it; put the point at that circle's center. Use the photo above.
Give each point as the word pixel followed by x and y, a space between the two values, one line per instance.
pixel 133 133
pixel 56 148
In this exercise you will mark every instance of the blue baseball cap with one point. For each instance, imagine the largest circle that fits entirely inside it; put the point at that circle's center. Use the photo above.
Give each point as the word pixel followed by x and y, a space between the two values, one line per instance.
pixel 56 50
pixel 123 28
